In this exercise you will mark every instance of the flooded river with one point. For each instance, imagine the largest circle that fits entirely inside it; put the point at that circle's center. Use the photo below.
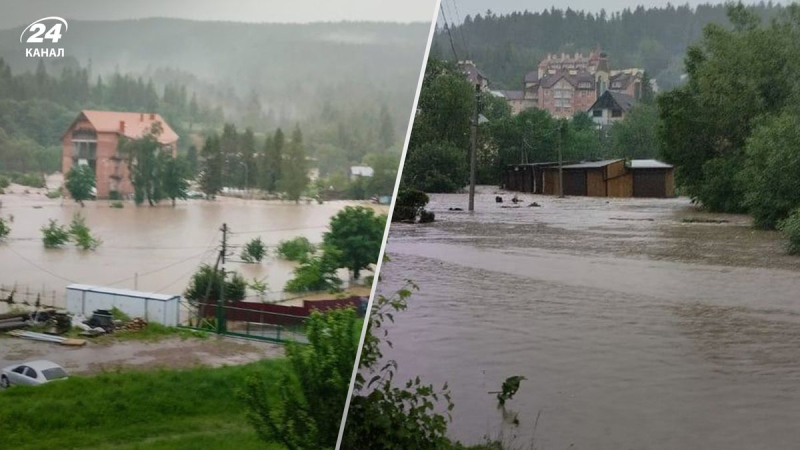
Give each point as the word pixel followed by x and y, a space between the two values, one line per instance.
pixel 639 323
pixel 154 249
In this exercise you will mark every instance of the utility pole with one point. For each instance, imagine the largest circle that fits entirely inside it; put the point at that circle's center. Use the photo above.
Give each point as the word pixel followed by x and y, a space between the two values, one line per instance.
pixel 221 299
pixel 561 137
pixel 473 148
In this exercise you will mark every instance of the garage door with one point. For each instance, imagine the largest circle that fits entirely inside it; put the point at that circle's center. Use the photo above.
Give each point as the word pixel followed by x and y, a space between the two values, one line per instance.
pixel 649 184
pixel 574 182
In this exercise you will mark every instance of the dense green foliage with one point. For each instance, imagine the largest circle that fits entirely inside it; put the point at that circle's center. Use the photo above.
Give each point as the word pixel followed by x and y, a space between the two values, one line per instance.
pixel 137 409
pixel 207 285
pixel 507 46
pixel 307 412
pixel 254 250
pixel 357 233
pixel 5 228
pixel 54 235
pixel 81 233
pixel 731 130
pixel 790 227
pixel 296 249
pixel 317 273
pixel 174 177
pixel 80 181
pixel 294 168
pixel 409 205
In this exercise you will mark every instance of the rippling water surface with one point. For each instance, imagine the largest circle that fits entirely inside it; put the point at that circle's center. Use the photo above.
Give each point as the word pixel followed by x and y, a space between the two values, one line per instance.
pixel 636 328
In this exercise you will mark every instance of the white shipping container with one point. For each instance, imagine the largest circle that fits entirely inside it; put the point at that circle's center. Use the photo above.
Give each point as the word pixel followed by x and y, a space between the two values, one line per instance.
pixel 157 308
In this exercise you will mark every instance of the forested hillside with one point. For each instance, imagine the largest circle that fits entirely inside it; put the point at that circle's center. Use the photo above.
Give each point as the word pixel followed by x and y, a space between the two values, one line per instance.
pixel 505 47
pixel 349 86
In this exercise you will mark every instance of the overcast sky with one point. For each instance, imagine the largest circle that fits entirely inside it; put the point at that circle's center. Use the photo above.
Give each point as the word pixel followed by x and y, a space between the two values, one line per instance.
pixel 22 12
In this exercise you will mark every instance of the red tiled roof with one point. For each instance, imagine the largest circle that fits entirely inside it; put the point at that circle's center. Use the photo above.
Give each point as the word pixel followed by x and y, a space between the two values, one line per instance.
pixel 136 124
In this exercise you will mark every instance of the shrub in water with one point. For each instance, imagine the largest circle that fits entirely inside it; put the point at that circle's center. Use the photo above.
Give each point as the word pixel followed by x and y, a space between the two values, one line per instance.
pixel 254 251
pixel 82 234
pixel 790 227
pixel 54 235
pixel 297 249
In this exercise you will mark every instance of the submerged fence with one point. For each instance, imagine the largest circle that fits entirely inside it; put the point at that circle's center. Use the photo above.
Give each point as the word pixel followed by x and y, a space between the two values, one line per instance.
pixel 21 295
pixel 280 323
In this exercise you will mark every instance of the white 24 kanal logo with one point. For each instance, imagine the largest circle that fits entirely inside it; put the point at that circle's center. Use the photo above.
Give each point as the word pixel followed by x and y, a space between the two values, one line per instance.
pixel 40 32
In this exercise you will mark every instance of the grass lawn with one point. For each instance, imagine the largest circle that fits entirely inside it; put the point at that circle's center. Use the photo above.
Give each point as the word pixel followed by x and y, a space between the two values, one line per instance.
pixel 166 409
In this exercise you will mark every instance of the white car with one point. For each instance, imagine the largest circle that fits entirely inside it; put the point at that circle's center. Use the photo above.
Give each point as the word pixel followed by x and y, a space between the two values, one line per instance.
pixel 31 373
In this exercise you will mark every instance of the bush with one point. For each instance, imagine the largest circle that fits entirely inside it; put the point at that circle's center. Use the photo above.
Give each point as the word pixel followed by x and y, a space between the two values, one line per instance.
pixel 117 204
pixel 114 195
pixel 4 182
pixel 82 234
pixel 317 273
pixel 297 249
pixel 409 204
pixel 5 229
pixel 312 393
pixel 54 235
pixel 207 281
pixel 29 179
pixel 254 251
pixel 53 194
pixel 790 227
pixel 772 171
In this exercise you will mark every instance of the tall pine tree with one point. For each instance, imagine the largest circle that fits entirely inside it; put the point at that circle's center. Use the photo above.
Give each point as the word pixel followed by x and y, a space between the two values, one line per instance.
pixel 294 176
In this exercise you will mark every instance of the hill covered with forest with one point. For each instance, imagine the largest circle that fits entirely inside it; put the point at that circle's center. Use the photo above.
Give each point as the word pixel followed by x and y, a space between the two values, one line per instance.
pixel 507 46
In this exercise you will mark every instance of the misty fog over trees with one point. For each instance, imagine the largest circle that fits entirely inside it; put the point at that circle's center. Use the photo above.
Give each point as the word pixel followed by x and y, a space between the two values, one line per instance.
pixel 507 46
pixel 348 86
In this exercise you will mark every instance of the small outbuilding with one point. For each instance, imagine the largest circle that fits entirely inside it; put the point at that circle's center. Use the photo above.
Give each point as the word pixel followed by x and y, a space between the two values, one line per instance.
pixel 652 178
pixel 525 177
pixel 606 178
pixel 158 308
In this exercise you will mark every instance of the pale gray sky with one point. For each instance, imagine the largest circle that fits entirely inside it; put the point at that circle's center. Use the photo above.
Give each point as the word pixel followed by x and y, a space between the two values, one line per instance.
pixel 22 12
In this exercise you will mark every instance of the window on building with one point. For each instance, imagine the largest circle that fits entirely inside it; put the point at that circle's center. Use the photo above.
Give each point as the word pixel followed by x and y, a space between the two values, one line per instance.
pixel 616 112
pixel 616 85
pixel 584 85
pixel 597 112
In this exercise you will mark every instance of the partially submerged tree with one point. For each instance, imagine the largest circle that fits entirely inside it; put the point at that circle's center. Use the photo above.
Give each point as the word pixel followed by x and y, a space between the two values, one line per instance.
pixel 80 181
pixel 175 178
pixel 294 172
pixel 317 273
pixel 145 165
pixel 207 285
pixel 81 233
pixel 357 233
pixel 296 249
pixel 54 235
pixel 254 251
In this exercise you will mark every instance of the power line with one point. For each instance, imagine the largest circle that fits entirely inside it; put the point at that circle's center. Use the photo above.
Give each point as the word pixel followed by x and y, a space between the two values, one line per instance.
pixel 276 230
pixel 38 266
pixel 447 28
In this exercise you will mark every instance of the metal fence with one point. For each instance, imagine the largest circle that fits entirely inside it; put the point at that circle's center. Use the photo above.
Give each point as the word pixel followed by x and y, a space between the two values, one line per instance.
pixel 25 296
pixel 247 322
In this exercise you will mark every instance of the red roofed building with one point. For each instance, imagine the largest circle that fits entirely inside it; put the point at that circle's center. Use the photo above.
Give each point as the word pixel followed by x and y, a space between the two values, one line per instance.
pixel 93 138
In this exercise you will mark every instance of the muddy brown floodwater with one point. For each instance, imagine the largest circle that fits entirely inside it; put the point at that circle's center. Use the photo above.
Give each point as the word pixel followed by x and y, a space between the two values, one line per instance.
pixel 639 323
pixel 163 245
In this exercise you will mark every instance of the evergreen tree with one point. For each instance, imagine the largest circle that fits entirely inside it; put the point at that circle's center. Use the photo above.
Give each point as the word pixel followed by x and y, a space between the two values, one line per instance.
pixel 229 145
pixel 387 128
pixel 247 147
pixel 294 172
pixel 273 160
pixel 212 164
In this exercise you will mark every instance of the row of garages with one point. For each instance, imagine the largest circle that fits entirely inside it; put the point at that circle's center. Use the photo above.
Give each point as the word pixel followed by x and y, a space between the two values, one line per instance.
pixel 607 178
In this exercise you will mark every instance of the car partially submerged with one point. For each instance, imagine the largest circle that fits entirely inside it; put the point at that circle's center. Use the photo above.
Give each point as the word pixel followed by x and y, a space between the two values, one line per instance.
pixel 31 373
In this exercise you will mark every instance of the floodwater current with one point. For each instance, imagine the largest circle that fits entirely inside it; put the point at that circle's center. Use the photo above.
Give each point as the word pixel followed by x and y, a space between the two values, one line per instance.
pixel 639 323
pixel 153 249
